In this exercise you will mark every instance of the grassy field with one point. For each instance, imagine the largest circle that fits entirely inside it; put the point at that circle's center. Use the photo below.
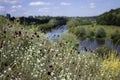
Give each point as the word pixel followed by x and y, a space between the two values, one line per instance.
pixel 93 30
pixel 26 54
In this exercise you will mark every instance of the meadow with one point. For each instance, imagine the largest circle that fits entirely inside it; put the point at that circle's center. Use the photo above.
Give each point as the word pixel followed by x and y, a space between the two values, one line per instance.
pixel 26 54
pixel 91 31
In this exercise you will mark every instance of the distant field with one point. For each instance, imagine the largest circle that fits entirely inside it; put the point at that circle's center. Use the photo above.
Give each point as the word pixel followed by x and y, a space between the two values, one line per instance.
pixel 88 29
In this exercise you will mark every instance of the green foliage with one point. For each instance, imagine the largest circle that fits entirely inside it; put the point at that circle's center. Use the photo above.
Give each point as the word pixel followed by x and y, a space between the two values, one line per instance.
pixel 79 31
pixel 70 40
pixel 74 22
pixel 82 32
pixel 28 55
pixel 115 37
pixel 110 18
pixel 92 33
pixel 104 51
pixel 45 27
pixel 3 21
pixel 100 33
pixel 54 22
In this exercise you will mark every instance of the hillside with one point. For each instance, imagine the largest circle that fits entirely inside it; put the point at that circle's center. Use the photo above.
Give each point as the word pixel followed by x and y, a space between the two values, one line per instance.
pixel 110 18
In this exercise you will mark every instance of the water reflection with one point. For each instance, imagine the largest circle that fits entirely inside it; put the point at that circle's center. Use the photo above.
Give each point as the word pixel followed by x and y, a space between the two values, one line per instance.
pixel 56 33
pixel 90 45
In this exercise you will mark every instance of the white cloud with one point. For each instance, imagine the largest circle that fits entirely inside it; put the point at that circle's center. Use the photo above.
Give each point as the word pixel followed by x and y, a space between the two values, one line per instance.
pixel 11 1
pixel 92 5
pixel 16 6
pixel 39 3
pixel 44 10
pixel 65 4
pixel 2 8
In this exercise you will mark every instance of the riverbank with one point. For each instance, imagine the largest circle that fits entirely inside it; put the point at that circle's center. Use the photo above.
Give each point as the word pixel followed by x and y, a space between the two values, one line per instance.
pixel 87 44
pixel 102 32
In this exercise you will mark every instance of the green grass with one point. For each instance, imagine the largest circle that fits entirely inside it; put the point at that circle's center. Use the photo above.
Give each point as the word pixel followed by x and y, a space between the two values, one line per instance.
pixel 90 31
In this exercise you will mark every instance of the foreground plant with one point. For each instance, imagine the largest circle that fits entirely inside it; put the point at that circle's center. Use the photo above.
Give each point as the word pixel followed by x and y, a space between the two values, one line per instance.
pixel 28 55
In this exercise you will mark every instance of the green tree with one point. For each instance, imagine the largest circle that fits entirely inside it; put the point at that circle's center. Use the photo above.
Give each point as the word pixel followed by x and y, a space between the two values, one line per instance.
pixel 74 22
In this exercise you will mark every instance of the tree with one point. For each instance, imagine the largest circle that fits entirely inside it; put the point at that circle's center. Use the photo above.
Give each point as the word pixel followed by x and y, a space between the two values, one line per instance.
pixel 8 15
pixel 74 22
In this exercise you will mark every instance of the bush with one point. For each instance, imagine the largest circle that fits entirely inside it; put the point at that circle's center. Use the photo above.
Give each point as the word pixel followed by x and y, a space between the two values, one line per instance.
pixel 100 33
pixel 111 67
pixel 82 32
pixel 73 22
pixel 92 33
pixel 70 41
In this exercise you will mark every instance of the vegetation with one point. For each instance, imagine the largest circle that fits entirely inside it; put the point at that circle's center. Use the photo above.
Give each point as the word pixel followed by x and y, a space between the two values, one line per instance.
pixel 2 21
pixel 96 32
pixel 100 33
pixel 74 22
pixel 26 54
pixel 105 51
pixel 110 18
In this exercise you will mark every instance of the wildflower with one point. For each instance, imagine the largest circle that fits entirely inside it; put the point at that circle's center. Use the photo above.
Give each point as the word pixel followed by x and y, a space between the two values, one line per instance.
pixel 42 64
pixel 56 50
pixel 38 36
pixel 40 44
pixel 51 49
pixel 9 69
pixel 50 66
pixel 1 75
pixel 49 73
pixel 5 71
pixel 19 73
pixel 35 75
pixel 31 38
pixel 63 79
pixel 38 51
pixel 19 33
pixel 4 31
pixel 52 73
pixel 35 33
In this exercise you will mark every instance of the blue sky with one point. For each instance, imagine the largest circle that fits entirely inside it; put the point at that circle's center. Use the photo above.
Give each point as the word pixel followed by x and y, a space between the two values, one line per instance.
pixel 57 7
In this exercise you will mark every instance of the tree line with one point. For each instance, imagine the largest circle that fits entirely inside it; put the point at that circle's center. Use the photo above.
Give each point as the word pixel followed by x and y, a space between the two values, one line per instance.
pixel 110 18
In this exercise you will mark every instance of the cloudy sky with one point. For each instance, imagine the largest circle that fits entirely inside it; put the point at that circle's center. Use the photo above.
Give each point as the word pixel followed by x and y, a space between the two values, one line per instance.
pixel 57 7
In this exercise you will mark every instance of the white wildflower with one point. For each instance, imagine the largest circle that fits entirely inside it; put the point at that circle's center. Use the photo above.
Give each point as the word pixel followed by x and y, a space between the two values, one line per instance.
pixel 9 69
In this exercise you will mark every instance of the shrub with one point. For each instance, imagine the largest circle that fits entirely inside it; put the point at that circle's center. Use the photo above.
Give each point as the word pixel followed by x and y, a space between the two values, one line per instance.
pixel 92 33
pixel 82 32
pixel 100 33
pixel 73 22
pixel 111 67
pixel 70 41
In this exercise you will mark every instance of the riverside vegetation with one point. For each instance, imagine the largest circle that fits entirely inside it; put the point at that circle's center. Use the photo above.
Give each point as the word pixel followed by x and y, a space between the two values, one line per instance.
pixel 26 54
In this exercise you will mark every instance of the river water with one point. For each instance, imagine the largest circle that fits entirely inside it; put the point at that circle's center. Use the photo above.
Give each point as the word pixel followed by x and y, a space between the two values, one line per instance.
pixel 86 44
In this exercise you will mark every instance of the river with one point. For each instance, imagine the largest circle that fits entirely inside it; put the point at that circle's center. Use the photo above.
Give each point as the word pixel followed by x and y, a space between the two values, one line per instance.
pixel 88 44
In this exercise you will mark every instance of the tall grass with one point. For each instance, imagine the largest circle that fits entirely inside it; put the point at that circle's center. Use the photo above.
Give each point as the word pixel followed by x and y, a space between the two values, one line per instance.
pixel 97 31
pixel 28 55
